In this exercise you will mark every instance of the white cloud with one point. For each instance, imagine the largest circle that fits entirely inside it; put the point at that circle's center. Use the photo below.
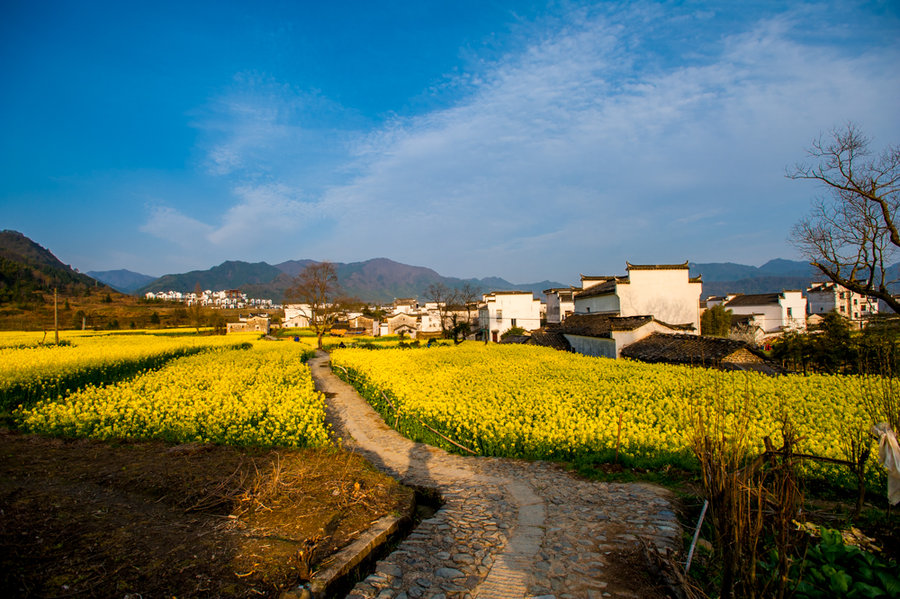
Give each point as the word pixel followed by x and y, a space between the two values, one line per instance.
pixel 261 212
pixel 588 147
pixel 568 132
pixel 171 225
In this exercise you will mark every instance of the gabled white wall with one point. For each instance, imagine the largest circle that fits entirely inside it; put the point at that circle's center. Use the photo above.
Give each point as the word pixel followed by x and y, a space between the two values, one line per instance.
pixel 666 294
pixel 598 304
pixel 502 311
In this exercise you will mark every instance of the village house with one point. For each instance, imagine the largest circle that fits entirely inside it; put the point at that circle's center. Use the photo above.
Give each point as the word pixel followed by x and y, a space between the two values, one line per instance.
pixel 606 335
pixel 405 305
pixel 502 310
pixel 430 317
pixel 773 313
pixel 254 324
pixel 830 297
pixel 400 323
pixel 296 315
pixel 560 303
pixel 368 326
pixel 666 292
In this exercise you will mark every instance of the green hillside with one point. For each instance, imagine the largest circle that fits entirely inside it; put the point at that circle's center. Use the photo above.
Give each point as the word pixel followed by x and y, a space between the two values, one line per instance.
pixel 29 271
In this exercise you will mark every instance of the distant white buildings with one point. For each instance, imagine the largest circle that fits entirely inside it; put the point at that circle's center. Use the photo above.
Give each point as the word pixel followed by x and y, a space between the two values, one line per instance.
pixel 772 313
pixel 224 299
pixel 831 297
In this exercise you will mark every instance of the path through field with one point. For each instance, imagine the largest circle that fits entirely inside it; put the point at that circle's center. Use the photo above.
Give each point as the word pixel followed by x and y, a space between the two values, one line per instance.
pixel 508 529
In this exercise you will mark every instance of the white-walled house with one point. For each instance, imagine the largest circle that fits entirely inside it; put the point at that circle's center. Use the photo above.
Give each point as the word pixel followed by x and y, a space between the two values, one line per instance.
pixel 502 310
pixel 830 297
pixel 296 315
pixel 560 303
pixel 405 305
pixel 430 318
pixel 773 312
pixel 665 292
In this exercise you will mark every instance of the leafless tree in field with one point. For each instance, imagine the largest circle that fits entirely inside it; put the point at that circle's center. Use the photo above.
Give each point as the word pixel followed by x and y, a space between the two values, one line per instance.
pixel 851 234
pixel 450 302
pixel 317 286
pixel 444 297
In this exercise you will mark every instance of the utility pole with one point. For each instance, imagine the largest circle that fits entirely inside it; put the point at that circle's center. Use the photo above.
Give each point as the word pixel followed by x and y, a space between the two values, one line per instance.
pixel 56 314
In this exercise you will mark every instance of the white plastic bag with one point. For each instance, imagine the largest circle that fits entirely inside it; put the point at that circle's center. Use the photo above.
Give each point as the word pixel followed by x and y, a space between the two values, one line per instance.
pixel 889 456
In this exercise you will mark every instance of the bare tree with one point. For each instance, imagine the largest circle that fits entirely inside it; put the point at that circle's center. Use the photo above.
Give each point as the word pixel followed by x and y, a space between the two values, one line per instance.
pixel 444 297
pixel 317 286
pixel 196 309
pixel 450 303
pixel 851 235
pixel 467 297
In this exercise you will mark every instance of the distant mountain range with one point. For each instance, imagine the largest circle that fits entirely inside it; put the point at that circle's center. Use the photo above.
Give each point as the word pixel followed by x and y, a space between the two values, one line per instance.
pixel 122 280
pixel 28 267
pixel 375 280
pixel 382 280
pixel 720 278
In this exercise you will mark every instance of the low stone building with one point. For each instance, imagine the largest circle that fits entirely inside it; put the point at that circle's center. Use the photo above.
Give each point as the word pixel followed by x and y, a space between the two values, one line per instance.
pixel 253 324
pixel 695 350
pixel 605 335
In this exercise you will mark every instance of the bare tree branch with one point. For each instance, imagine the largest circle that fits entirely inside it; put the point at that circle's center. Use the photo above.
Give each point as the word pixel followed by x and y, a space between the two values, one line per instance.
pixel 851 234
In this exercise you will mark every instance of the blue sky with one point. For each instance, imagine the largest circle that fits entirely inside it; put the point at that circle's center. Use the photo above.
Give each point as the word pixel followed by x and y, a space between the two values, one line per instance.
pixel 526 140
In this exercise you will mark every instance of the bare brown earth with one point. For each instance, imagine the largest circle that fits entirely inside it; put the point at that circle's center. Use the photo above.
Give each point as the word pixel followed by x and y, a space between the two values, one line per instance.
pixel 82 518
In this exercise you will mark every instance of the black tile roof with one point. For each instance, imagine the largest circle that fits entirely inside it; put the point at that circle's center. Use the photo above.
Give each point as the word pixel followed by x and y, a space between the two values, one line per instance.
pixel 545 338
pixel 700 351
pixel 602 325
pixel 754 299
pixel 602 288
pixel 657 266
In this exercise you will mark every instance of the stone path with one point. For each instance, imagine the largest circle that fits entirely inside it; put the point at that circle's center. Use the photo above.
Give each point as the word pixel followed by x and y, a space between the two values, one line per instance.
pixel 508 529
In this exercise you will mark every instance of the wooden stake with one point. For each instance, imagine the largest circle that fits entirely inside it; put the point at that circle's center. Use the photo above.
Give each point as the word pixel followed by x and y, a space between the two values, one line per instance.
pixel 56 315
pixel 618 439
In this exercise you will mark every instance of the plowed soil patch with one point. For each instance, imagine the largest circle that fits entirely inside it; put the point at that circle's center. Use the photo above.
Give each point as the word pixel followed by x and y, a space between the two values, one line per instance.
pixel 88 519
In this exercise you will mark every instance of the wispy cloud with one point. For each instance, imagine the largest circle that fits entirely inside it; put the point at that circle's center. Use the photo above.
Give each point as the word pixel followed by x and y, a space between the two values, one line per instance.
pixel 171 225
pixel 570 130
pixel 586 147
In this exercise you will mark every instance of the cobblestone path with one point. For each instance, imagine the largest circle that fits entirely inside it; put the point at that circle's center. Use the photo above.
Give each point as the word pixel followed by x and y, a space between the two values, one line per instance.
pixel 507 529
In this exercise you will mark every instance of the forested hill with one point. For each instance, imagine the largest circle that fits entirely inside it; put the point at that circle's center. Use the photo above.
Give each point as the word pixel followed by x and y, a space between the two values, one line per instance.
pixel 28 271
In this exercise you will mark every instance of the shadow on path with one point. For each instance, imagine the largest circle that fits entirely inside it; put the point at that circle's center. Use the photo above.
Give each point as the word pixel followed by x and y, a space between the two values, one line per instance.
pixel 492 538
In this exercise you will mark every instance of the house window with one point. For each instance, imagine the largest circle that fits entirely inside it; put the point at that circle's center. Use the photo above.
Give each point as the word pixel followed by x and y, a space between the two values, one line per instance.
pixel 499 314
pixel 790 312
pixel 588 309
pixel 512 322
